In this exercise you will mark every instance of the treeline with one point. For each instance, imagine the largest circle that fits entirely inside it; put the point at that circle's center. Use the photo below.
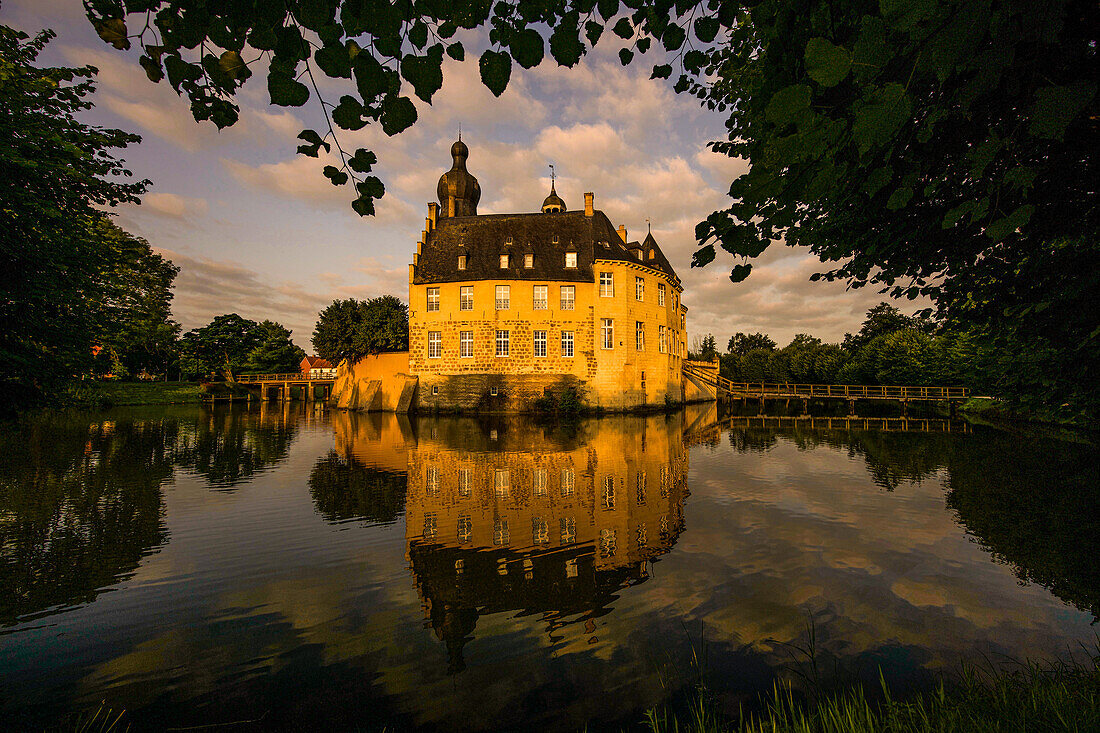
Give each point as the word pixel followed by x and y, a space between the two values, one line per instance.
pixel 892 348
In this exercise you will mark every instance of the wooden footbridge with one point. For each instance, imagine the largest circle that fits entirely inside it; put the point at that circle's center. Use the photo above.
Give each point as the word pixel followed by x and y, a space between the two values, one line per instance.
pixel 724 389
pixel 281 386
pixel 712 432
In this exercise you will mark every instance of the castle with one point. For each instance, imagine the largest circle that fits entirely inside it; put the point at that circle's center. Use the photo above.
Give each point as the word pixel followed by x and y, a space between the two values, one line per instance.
pixel 507 308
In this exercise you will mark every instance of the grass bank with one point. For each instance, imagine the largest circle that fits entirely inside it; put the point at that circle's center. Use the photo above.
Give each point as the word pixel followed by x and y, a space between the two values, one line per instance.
pixel 101 395
pixel 1061 697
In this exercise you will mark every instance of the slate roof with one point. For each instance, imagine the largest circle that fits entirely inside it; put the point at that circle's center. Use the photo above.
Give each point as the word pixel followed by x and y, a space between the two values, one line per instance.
pixel 484 238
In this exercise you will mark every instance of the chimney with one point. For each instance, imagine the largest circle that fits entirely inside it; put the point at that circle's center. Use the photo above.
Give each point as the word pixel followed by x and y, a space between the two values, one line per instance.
pixel 427 225
pixel 433 213
pixel 589 204
pixel 622 231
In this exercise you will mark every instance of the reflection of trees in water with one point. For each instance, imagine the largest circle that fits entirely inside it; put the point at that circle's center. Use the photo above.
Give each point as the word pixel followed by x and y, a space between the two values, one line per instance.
pixel 1033 503
pixel 80 505
pixel 344 489
pixel 228 446
pixel 1038 511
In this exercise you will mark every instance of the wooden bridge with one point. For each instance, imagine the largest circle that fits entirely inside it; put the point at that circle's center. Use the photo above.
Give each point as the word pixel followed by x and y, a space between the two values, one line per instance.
pixel 725 389
pixel 284 383
pixel 805 422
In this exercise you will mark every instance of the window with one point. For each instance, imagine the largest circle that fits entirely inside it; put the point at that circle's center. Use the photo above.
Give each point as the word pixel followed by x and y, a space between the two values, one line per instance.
pixel 643 540
pixel 464 483
pixel 503 297
pixel 639 480
pixel 528 261
pixel 567 482
pixel 567 527
pixel 502 343
pixel 435 389
pixel 435 344
pixel 500 534
pixel 567 344
pixel 466 298
pixel 540 303
pixel 609 492
pixel 662 339
pixel 465 528
pixel 504 262
pixel 540 531
pixel 429 526
pixel 639 288
pixel 503 483
pixel 607 329
pixel 431 481
pixel 660 294
pixel 571 568
pixel 433 299
pixel 639 336
pixel 607 543
pixel 462 262
pixel 466 344
pixel 540 482
pixel 540 343
pixel 570 259
pixel 607 285
pixel 568 297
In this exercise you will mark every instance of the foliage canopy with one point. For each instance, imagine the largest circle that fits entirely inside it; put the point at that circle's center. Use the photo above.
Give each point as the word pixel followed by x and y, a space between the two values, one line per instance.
pixel 351 329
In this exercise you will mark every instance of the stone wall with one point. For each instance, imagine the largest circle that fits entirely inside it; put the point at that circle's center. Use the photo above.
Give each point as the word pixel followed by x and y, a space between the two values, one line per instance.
pixel 380 382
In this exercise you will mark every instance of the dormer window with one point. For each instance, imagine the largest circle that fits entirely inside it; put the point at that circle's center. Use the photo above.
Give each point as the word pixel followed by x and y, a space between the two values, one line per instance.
pixel 504 262
pixel 528 261
pixel 555 240
pixel 507 240
pixel 462 262
pixel 638 253
pixel 570 259
pixel 651 254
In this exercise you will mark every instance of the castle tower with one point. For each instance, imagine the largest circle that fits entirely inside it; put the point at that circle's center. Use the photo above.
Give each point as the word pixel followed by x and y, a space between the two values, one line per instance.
pixel 458 191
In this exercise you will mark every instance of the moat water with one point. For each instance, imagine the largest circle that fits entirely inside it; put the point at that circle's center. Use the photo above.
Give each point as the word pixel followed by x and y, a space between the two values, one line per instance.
pixel 287 567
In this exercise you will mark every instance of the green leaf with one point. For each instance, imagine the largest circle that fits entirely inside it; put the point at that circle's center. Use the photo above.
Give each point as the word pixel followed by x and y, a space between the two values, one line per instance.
pixel 1056 107
pixel 870 52
pixel 565 43
pixel 527 48
pixel 334 174
pixel 607 8
pixel 661 72
pixel 370 76
pixel 827 64
pixel 899 198
pixel 456 52
pixel 370 186
pixel 314 143
pixel 112 31
pixel 418 34
pixel 335 61
pixel 952 217
pixel 878 178
pixel 879 116
pixel 904 15
pixel 623 29
pixel 425 72
pixel 286 91
pixel 496 67
pixel 625 56
pixel 363 206
pixel 362 161
pixel 703 256
pixel 593 31
pixel 348 115
pixel 1002 228
pixel 788 104
pixel 398 113
pixel 673 37
pixel 706 29
pixel 152 67
pixel 1021 177
pixel 233 66
pixel 739 273
pixel 180 71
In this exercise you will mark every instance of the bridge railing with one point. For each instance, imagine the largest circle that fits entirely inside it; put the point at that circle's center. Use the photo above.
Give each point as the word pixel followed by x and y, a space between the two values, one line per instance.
pixel 851 391
pixel 288 377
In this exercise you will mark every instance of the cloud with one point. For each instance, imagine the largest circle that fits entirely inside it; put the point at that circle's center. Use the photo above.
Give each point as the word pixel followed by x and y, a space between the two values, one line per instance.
pixel 175 206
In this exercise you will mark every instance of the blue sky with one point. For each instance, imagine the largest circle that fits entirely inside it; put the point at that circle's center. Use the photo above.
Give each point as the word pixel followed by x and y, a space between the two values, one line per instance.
pixel 257 230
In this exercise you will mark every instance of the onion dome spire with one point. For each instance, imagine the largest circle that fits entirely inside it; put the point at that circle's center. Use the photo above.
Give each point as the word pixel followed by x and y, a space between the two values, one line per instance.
pixel 552 203
pixel 458 191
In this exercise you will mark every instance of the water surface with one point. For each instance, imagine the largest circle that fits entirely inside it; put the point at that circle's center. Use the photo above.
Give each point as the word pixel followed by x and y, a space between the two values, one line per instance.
pixel 297 567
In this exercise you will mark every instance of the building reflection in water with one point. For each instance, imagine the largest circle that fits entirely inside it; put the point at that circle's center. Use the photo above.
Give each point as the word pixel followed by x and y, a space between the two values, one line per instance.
pixel 510 516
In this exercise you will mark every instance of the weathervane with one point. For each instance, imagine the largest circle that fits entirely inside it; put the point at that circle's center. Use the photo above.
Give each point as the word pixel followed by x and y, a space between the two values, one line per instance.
pixel 648 226
pixel 460 132
pixel 551 175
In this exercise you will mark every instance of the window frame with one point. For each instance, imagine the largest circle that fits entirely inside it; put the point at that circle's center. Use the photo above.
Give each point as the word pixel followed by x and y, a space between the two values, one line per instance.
pixel 543 303
pixel 432 302
pixel 465 304
pixel 607 289
pixel 661 294
pixel 535 343
pixel 571 342
pixel 572 297
pixel 435 343
pixel 528 261
pixel 506 300
pixel 607 333
pixel 639 289
pixel 505 261
pixel 639 336
pixel 465 339
pixel 503 338
pixel 462 262
pixel 571 260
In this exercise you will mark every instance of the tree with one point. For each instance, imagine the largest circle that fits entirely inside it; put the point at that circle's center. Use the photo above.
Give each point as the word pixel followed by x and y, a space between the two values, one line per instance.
pixel 741 343
pixel 709 348
pixel 132 305
pixel 56 175
pixel 882 319
pixel 222 346
pixel 275 353
pixel 351 329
